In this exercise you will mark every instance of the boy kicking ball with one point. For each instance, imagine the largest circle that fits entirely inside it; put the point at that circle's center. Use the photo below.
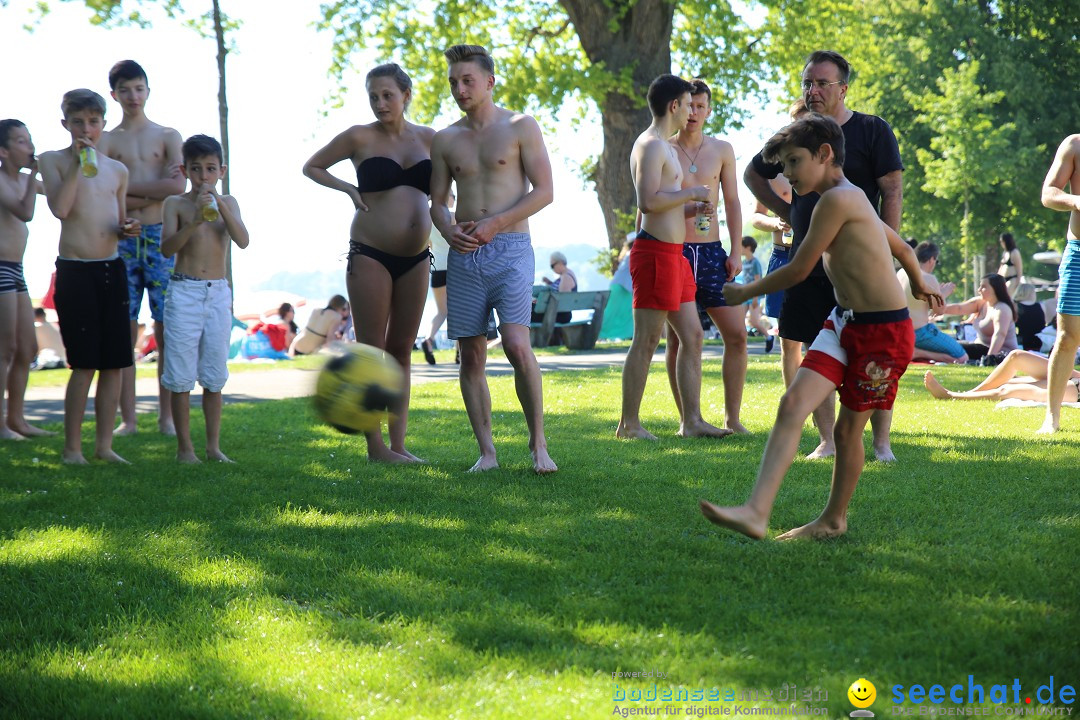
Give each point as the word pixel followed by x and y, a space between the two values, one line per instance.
pixel 866 343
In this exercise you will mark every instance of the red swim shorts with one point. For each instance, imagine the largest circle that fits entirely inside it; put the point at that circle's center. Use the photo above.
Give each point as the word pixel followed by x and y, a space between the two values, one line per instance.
pixel 864 355
pixel 661 275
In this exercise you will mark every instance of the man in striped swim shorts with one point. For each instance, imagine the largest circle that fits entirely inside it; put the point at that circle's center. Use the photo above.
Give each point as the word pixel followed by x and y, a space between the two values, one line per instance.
pixel 498 159
pixel 1065 171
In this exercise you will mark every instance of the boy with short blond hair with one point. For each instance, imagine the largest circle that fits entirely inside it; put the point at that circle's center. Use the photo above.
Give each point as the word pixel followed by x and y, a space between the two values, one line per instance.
pixel 91 287
pixel 151 153
pixel 198 307
pixel 866 342
pixel 18 345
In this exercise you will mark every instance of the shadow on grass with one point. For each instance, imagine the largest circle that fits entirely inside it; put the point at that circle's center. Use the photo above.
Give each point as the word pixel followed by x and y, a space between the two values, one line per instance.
pixel 960 553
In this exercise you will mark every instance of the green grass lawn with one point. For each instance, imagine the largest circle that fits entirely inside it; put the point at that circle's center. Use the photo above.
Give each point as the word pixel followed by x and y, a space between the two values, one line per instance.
pixel 305 583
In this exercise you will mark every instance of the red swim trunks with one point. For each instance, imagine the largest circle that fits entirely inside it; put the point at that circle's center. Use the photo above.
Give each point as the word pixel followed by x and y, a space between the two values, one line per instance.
pixel 864 355
pixel 661 275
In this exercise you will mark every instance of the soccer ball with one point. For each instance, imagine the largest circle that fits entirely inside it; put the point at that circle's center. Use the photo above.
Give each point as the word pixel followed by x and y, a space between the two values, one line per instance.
pixel 355 389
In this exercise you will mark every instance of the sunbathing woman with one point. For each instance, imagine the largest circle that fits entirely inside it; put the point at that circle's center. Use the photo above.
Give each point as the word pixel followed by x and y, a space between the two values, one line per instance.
pixel 1006 382
pixel 389 261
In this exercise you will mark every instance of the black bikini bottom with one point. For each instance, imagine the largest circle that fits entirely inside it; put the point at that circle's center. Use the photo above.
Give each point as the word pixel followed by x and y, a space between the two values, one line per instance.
pixel 396 265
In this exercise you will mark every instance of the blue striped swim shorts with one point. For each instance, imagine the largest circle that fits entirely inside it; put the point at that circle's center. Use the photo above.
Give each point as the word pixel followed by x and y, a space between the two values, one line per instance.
pixel 1069 275
pixel 498 275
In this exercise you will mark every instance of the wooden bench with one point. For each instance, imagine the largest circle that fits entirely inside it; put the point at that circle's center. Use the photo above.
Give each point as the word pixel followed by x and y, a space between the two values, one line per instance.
pixel 577 334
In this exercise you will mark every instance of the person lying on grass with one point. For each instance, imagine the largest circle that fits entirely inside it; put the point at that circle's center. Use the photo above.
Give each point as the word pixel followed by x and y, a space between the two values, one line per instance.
pixel 866 342
pixel 1021 376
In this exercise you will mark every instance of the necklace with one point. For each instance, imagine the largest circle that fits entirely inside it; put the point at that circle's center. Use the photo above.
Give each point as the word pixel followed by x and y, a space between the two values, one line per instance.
pixel 693 160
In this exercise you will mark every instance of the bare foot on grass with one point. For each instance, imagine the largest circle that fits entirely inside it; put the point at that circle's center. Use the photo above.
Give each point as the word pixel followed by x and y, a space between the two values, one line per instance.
pixel 218 456
pixel 7 433
pixel 406 454
pixel 28 430
pixel 884 454
pixel 188 458
pixel 824 450
pixel 125 429
pixel 542 462
pixel 485 463
pixel 625 432
pixel 703 429
pixel 817 530
pixel 110 456
pixel 73 458
pixel 936 389
pixel 1049 427
pixel 166 427
pixel 740 519
pixel 386 455
pixel 738 428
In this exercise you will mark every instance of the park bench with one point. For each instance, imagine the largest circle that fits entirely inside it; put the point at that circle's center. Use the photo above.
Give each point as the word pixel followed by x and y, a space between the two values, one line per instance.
pixel 577 334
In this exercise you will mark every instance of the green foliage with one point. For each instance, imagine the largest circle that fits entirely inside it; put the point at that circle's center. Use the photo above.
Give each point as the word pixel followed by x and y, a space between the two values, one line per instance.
pixel 118 13
pixel 901 50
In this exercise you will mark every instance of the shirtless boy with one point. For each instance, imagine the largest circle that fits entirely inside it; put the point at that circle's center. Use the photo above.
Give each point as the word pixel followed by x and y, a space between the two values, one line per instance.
pixel 710 162
pixel 663 281
pixel 151 153
pixel 498 159
pixel 198 307
pixel 866 343
pixel 1064 172
pixel 18 344
pixel 91 287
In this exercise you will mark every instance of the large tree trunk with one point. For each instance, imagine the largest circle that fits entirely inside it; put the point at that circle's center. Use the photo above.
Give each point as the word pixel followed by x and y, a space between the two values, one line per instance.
pixel 642 42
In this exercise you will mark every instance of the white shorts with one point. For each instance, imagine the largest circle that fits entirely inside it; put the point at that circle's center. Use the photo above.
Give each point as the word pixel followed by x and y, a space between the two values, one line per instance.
pixel 198 320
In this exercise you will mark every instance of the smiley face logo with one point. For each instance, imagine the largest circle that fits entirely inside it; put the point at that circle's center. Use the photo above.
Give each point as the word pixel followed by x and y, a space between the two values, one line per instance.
pixel 862 693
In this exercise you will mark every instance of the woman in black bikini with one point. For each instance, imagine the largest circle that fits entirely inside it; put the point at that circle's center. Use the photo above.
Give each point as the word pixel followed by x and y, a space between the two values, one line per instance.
pixel 388 264
pixel 1012 265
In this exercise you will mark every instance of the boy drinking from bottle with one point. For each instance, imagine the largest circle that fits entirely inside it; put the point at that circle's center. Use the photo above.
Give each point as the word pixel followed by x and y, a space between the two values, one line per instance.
pixel 87 192
pixel 197 227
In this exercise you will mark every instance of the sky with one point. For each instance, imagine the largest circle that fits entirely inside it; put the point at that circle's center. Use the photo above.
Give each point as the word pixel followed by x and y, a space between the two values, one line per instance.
pixel 277 92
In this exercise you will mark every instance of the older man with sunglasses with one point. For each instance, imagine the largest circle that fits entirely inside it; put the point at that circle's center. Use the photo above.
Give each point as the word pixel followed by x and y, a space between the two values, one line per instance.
pixel 873 163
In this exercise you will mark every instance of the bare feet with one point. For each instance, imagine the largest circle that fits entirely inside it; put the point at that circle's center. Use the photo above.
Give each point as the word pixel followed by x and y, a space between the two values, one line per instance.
pixel 386 455
pixel 218 456
pixel 633 433
pixel 7 433
pixel 884 454
pixel 188 458
pixel 1049 427
pixel 936 389
pixel 406 454
pixel 125 429
pixel 542 462
pixel 737 427
pixel 73 458
pixel 817 530
pixel 110 456
pixel 486 462
pixel 740 519
pixel 166 427
pixel 28 430
pixel 703 429
pixel 823 450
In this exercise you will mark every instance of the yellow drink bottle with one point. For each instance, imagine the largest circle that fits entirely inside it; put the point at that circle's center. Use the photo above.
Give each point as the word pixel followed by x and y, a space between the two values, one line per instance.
pixel 88 161
pixel 210 212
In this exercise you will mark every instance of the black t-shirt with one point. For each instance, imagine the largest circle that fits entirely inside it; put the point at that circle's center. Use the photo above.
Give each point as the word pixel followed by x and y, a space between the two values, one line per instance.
pixel 1030 321
pixel 870 151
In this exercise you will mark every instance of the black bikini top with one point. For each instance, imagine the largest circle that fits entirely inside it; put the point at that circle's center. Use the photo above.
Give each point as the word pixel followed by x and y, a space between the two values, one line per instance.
pixel 381 173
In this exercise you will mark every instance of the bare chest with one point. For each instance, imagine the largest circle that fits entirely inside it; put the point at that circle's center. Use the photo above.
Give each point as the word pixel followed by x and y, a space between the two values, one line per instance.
pixel 138 150
pixel 485 153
